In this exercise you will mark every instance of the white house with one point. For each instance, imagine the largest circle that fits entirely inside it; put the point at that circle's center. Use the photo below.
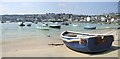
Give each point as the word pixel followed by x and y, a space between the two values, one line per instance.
pixel 103 19
pixel 88 19
pixel 112 20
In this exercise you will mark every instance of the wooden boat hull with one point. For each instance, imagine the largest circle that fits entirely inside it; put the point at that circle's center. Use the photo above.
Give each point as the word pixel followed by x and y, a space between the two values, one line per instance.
pixel 92 45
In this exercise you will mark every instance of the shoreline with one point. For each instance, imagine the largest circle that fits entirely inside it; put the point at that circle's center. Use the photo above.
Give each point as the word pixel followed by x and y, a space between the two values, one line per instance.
pixel 38 47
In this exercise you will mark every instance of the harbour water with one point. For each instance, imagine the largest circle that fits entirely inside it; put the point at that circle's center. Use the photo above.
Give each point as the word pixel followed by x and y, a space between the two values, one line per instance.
pixel 30 41
pixel 13 31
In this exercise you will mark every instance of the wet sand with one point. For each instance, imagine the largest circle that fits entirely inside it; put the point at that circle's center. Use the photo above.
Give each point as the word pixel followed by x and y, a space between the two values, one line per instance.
pixel 38 47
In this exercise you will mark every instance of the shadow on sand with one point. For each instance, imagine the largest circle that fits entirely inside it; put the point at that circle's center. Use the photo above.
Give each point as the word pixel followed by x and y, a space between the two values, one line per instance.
pixel 113 48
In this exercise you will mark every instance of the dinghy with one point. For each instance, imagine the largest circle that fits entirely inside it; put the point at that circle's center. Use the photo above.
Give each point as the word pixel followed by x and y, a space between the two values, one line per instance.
pixel 118 27
pixel 89 27
pixel 21 24
pixel 43 27
pixel 55 25
pixel 86 42
pixel 75 25
pixel 28 23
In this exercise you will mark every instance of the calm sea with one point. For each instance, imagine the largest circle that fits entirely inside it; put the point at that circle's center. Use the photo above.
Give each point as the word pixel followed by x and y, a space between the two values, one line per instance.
pixel 13 31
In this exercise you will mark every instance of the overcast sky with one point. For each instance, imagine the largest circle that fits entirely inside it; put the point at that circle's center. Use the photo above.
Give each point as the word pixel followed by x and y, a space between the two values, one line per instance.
pixel 32 7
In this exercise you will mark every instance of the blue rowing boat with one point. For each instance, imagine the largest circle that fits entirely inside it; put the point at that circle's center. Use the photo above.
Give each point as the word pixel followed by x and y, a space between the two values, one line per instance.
pixel 85 42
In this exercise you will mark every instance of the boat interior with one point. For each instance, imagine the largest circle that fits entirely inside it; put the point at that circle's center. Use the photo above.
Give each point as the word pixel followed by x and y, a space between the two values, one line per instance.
pixel 71 34
pixel 82 35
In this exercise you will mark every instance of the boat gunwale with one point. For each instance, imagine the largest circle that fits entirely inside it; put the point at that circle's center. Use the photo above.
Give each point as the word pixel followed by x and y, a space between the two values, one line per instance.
pixel 78 38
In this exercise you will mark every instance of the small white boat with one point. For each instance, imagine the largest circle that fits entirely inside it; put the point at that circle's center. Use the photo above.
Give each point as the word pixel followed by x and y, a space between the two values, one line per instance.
pixel 43 27
pixel 21 24
pixel 108 27
pixel 118 27
pixel 89 27
pixel 75 25
pixel 28 23
pixel 55 26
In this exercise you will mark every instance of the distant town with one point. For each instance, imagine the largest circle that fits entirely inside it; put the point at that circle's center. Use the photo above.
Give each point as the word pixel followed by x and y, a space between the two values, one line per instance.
pixel 104 18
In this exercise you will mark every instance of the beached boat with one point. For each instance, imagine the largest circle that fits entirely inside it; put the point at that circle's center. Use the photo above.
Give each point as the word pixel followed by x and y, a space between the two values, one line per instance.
pixel 89 27
pixel 86 42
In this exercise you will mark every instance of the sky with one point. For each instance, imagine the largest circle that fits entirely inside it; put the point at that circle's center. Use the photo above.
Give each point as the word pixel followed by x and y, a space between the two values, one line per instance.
pixel 7 7
pixel 59 0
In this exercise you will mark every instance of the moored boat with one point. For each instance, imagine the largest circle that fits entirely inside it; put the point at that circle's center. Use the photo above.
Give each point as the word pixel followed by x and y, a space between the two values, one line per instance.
pixel 55 26
pixel 2 21
pixel 28 24
pixel 21 24
pixel 75 25
pixel 89 27
pixel 86 42
pixel 65 23
pixel 118 27
pixel 43 27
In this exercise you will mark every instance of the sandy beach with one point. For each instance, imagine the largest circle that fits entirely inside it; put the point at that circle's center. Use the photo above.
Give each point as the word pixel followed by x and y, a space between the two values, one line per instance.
pixel 38 47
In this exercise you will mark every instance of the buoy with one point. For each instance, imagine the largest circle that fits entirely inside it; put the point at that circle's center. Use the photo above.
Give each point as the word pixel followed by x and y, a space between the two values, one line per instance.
pixel 48 35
